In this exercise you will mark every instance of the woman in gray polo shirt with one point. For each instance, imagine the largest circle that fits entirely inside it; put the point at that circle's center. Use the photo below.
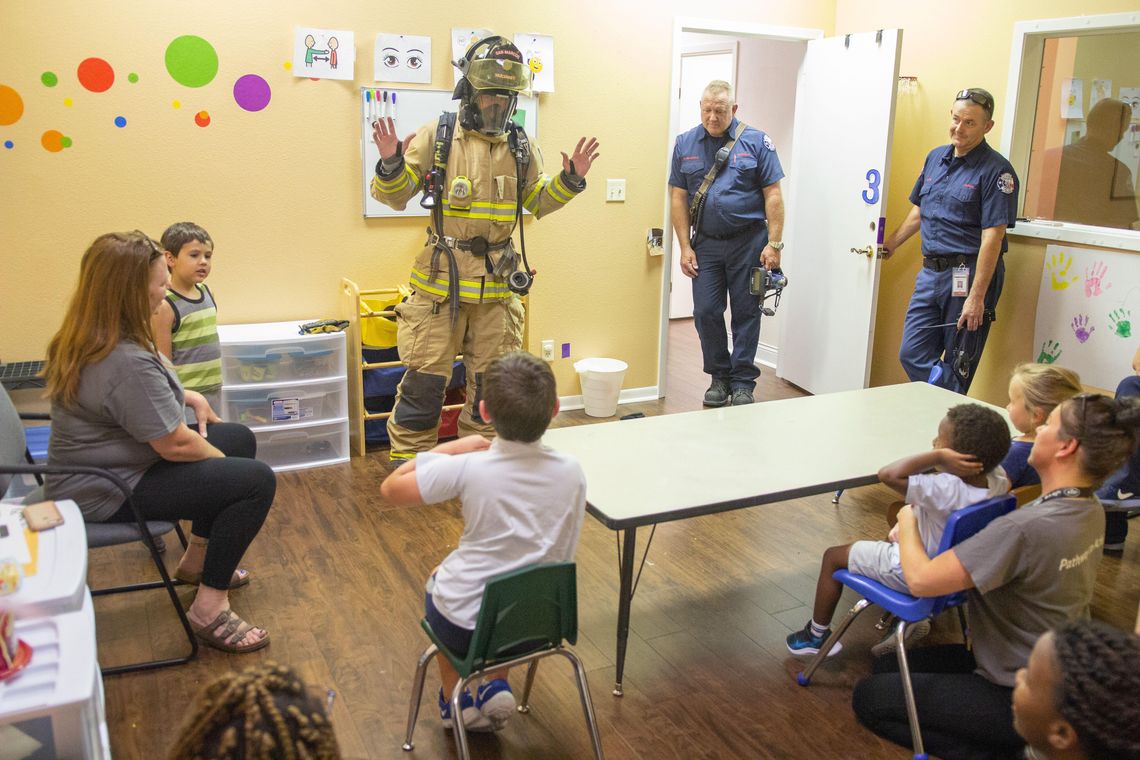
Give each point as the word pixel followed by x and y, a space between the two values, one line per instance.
pixel 117 404
pixel 1026 572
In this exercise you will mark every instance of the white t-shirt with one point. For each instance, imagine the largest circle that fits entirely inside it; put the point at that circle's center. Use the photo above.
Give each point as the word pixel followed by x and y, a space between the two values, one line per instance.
pixel 935 495
pixel 523 503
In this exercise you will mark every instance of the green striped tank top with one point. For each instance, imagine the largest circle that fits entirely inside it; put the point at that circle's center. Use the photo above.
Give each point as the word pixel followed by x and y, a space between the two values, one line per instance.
pixel 196 352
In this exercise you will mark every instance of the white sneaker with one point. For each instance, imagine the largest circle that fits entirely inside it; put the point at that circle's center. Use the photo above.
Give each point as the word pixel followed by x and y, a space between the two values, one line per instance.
pixel 914 632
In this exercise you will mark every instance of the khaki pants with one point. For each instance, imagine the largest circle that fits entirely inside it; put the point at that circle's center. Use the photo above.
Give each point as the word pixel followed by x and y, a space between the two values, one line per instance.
pixel 428 342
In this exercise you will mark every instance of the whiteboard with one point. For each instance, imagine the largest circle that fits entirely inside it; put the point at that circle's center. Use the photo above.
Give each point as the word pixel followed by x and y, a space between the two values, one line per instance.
pixel 415 108
pixel 1088 313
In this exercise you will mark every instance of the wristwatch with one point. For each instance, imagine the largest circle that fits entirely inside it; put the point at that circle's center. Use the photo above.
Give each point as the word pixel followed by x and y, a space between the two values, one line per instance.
pixel 776 245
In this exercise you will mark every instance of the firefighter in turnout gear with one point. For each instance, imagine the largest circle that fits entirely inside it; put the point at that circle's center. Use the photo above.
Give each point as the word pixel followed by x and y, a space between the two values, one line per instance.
pixel 476 172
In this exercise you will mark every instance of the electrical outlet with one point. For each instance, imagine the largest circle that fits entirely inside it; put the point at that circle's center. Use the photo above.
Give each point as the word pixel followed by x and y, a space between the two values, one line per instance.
pixel 615 191
pixel 548 350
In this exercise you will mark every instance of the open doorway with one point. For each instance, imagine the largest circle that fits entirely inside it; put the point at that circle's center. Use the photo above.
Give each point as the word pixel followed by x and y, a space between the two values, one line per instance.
pixel 762 65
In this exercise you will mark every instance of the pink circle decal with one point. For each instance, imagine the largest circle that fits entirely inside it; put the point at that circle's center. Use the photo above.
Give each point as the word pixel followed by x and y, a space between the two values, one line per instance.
pixel 252 92
pixel 96 75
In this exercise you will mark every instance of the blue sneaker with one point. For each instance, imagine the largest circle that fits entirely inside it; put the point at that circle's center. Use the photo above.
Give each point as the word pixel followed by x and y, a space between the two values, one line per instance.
pixel 803 643
pixel 473 720
pixel 496 703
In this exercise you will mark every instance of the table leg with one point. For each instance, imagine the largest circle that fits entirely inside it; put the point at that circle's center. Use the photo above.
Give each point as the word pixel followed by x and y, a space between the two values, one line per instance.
pixel 625 600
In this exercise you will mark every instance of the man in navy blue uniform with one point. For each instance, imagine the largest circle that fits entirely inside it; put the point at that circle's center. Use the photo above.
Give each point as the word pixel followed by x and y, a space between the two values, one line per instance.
pixel 964 200
pixel 739 227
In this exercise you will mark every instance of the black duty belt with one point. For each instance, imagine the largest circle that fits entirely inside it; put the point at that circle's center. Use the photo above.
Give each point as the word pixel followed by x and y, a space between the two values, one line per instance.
pixel 477 245
pixel 734 233
pixel 946 261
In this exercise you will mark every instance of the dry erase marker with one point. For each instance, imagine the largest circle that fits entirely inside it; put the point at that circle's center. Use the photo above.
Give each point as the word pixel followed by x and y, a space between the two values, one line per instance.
pixel 386 113
pixel 367 106
pixel 393 106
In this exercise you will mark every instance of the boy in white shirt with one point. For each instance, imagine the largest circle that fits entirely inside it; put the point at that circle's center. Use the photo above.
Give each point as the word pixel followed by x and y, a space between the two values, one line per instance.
pixel 966 460
pixel 522 503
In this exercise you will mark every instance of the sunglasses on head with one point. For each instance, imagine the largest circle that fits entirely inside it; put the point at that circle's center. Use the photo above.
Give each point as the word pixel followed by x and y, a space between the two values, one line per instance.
pixel 985 101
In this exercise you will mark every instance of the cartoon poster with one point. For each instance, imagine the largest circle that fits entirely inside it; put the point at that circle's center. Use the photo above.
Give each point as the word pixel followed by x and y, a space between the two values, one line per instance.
pixel 461 40
pixel 538 52
pixel 1131 96
pixel 1101 89
pixel 402 58
pixel 323 53
pixel 1072 98
pixel 1087 309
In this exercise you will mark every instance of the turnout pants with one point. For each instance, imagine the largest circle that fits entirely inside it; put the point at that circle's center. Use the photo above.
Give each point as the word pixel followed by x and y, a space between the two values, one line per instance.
pixel 428 342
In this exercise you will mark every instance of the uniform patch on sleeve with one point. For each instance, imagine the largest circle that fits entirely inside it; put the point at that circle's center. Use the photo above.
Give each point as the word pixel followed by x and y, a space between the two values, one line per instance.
pixel 1005 183
pixel 768 143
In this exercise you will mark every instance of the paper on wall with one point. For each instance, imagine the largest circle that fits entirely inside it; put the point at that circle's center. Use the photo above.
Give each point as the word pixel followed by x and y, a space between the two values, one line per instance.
pixel 323 53
pixel 402 58
pixel 1072 98
pixel 1101 89
pixel 1131 96
pixel 538 52
pixel 461 40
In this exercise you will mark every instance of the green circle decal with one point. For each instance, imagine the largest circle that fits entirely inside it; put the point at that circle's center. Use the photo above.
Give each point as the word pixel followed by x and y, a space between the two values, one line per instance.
pixel 49 79
pixel 191 61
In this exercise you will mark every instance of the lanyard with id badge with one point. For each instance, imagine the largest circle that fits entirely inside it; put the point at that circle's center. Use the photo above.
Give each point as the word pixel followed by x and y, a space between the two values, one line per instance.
pixel 961 281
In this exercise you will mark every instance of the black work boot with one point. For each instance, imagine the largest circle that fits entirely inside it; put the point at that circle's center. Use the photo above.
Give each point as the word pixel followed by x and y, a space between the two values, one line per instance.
pixel 718 392
pixel 742 396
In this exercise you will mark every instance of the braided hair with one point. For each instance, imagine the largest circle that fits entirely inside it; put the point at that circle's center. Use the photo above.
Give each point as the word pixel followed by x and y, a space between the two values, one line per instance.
pixel 1099 688
pixel 263 713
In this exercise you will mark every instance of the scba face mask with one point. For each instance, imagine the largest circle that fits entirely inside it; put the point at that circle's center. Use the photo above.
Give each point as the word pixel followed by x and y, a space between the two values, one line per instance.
pixel 494 74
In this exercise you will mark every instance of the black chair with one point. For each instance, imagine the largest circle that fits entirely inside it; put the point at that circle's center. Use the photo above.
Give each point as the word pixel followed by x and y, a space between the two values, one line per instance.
pixel 12 453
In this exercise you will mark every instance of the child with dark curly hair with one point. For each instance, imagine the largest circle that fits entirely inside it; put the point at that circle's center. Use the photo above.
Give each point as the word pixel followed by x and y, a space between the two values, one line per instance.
pixel 1079 695
pixel 971 442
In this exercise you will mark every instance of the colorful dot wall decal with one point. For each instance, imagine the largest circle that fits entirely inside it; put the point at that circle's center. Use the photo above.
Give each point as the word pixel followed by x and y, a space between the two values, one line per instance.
pixel 252 92
pixel 176 104
pixel 191 61
pixel 65 141
pixel 68 102
pixel 120 122
pixel 49 79
pixel 95 75
pixel 288 65
pixel 9 144
pixel 11 105
pixel 202 119
pixel 52 140
pixel 132 77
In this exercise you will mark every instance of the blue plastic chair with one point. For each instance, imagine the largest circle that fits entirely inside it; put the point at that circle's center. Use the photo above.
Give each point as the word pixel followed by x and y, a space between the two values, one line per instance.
pixel 912 609
pixel 525 616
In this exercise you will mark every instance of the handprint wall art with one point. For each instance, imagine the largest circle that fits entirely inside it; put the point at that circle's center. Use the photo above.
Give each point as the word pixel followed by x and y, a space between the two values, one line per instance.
pixel 1084 312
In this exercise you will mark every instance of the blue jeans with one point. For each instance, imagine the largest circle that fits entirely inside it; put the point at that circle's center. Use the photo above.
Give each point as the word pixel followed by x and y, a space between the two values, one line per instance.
pixel 931 305
pixel 724 268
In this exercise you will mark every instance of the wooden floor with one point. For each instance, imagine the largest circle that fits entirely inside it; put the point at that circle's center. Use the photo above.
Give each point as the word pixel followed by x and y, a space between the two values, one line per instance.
pixel 338 583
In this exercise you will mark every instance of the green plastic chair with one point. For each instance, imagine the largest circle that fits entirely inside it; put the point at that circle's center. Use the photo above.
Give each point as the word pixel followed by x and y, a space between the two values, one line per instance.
pixel 526 615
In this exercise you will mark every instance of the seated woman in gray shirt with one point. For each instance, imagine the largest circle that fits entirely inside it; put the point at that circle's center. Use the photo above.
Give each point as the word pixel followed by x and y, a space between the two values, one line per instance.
pixel 117 404
pixel 1026 572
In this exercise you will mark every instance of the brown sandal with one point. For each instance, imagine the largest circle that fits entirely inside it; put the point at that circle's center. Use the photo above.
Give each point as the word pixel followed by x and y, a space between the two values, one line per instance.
pixel 240 577
pixel 233 631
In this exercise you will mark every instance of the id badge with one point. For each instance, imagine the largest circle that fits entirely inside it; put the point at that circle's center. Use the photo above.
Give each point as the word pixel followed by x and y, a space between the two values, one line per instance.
pixel 961 285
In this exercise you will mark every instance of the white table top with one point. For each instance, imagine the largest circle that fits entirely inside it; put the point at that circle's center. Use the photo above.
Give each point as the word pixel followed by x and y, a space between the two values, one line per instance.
pixel 670 467
pixel 60 581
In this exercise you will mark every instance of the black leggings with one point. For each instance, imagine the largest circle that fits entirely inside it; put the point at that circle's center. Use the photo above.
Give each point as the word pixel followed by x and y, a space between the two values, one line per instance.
pixel 227 499
pixel 960 713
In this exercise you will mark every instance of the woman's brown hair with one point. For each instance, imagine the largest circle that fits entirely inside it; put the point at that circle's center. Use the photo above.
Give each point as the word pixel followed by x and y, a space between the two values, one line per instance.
pixel 111 303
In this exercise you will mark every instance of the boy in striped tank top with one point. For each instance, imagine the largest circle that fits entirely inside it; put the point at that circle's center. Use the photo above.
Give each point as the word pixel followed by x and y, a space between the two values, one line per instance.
pixel 185 325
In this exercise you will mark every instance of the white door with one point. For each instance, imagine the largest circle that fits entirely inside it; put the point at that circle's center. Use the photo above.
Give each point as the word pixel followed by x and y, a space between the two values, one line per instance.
pixel 837 188
pixel 699 66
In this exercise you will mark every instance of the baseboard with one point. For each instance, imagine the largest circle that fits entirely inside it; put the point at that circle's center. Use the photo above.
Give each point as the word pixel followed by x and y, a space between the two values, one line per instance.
pixel 766 355
pixel 627 396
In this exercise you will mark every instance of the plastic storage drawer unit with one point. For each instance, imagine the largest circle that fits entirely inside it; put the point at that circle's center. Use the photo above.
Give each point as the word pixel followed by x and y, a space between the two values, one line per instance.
pixel 276 363
pixel 302 446
pixel 274 405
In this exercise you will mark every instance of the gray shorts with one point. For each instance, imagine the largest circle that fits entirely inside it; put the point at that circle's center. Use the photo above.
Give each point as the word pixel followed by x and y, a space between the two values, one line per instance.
pixel 879 561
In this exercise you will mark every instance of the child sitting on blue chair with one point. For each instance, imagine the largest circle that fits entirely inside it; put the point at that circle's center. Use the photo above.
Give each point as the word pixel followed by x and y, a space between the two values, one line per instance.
pixel 522 503
pixel 1123 486
pixel 972 440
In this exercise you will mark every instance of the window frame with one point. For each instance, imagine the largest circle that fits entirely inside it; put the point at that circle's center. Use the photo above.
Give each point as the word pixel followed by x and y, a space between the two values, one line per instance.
pixel 1026 55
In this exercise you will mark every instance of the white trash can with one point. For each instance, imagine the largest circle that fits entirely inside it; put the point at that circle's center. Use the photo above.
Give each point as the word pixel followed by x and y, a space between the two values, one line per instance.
pixel 601 384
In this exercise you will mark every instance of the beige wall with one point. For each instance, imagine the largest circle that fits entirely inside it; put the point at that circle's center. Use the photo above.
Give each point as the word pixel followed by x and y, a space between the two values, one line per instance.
pixel 964 45
pixel 279 190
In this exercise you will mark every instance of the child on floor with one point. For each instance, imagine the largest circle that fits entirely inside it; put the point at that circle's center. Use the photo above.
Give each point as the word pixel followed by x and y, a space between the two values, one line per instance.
pixel 185 325
pixel 522 503
pixel 1123 486
pixel 1079 695
pixel 969 447
pixel 1034 389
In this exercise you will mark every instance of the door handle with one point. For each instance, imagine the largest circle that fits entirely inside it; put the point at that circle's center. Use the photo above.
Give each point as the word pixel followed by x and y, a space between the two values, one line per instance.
pixel 867 250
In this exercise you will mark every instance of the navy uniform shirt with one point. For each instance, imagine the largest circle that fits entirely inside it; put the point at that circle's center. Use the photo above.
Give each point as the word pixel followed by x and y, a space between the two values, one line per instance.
pixel 735 199
pixel 960 197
